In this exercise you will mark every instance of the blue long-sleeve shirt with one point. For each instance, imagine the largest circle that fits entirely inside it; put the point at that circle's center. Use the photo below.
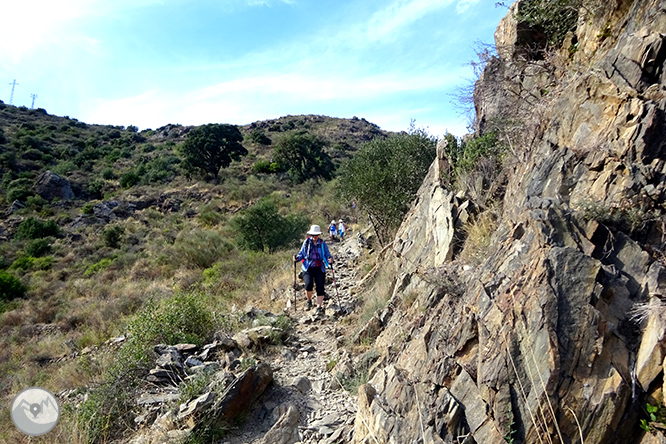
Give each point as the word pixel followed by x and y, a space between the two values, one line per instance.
pixel 310 253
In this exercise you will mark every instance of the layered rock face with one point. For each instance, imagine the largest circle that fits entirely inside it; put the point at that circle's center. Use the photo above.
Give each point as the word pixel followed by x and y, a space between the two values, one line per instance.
pixel 538 343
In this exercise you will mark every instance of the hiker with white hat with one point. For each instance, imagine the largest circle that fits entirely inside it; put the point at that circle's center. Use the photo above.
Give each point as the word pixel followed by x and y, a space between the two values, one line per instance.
pixel 332 231
pixel 316 258
pixel 341 230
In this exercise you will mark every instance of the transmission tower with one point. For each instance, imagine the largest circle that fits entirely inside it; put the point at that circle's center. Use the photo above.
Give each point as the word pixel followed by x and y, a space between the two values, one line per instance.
pixel 34 96
pixel 11 98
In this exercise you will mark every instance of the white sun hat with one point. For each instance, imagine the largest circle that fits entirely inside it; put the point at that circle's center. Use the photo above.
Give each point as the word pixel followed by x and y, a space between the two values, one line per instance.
pixel 314 230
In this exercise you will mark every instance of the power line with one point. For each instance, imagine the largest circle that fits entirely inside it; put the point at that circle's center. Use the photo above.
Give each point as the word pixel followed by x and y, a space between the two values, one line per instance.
pixel 11 98
pixel 34 96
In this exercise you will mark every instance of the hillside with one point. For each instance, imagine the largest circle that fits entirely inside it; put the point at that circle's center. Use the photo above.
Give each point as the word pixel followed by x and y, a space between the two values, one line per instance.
pixel 101 225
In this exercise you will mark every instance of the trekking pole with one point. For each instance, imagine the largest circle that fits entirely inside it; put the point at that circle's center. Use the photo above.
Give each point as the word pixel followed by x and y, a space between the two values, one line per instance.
pixel 295 262
pixel 336 287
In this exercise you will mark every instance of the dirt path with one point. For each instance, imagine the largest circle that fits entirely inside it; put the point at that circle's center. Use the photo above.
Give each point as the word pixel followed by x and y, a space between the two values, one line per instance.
pixel 302 375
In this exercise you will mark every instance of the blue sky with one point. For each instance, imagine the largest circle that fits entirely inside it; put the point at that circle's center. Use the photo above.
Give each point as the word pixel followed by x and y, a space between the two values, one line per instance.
pixel 149 63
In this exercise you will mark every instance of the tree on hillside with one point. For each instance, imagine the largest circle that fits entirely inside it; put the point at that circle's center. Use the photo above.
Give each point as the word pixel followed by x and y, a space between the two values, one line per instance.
pixel 262 228
pixel 384 176
pixel 302 155
pixel 210 147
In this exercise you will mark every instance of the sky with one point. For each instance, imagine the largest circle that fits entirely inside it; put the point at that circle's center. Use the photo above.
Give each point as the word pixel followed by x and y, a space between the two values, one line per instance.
pixel 150 63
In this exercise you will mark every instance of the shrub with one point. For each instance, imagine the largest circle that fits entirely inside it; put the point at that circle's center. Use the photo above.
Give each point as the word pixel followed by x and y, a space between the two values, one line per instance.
pixel 129 179
pixel 465 156
pixel 96 187
pixel 210 147
pixel 65 167
pixel 38 248
pixel 180 318
pixel 88 208
pixel 112 236
pixel 19 189
pixel 385 174
pixel 108 174
pixel 10 287
pixel 26 263
pixel 302 155
pixel 201 248
pixel 20 194
pixel 553 17
pixel 36 202
pixel 259 137
pixel 265 166
pixel 210 215
pixel 97 267
pixel 262 228
pixel 33 228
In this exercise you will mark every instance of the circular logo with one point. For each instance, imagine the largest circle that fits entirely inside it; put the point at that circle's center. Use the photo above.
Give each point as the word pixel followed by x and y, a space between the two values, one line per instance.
pixel 35 411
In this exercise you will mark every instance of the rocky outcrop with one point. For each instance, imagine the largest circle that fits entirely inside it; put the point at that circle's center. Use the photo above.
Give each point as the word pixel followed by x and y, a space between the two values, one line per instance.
pixel 51 186
pixel 540 342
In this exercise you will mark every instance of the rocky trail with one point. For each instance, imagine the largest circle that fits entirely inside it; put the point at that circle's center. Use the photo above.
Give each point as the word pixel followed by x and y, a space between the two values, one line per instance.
pixel 323 411
pixel 298 392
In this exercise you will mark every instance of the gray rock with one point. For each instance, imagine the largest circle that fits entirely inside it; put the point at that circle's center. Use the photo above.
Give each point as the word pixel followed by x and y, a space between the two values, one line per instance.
pixel 302 384
pixel 285 430
pixel 51 186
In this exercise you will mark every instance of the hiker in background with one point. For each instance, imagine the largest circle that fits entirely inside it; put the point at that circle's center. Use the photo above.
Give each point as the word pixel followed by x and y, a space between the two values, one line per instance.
pixel 316 257
pixel 332 230
pixel 341 230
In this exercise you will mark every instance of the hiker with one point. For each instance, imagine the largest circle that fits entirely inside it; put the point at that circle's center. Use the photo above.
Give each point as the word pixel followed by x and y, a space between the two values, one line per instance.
pixel 332 230
pixel 316 257
pixel 341 230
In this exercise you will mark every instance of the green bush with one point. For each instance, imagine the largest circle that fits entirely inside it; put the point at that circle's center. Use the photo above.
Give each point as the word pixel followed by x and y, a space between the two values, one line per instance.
pixel 129 179
pixel 263 166
pixel 27 263
pixel 210 215
pixel 200 248
pixel 112 236
pixel 97 267
pixel 302 155
pixel 259 137
pixel 107 174
pixel 553 17
pixel 65 167
pixel 88 208
pixel 160 170
pixel 33 228
pixel 10 287
pixel 20 194
pixel 262 228
pixel 180 318
pixel 96 187
pixel 36 202
pixel 19 189
pixel 210 147
pixel 385 174
pixel 465 156
pixel 38 248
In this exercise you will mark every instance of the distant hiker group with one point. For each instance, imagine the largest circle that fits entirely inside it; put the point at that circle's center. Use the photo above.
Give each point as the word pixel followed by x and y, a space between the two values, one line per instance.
pixel 337 232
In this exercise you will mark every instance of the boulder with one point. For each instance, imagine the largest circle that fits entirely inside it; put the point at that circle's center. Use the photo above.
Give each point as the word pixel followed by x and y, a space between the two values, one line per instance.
pixel 238 397
pixel 285 430
pixel 51 186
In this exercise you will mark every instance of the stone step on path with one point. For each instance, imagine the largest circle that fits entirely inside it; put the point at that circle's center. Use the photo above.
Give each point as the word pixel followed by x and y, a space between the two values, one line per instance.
pixel 302 373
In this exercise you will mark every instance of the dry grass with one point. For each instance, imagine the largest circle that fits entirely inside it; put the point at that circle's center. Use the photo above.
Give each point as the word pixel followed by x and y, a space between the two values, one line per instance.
pixel 478 233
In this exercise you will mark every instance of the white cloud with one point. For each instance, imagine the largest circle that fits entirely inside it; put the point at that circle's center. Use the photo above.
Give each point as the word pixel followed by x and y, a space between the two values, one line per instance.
pixel 464 5
pixel 38 24
pixel 385 23
pixel 268 2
